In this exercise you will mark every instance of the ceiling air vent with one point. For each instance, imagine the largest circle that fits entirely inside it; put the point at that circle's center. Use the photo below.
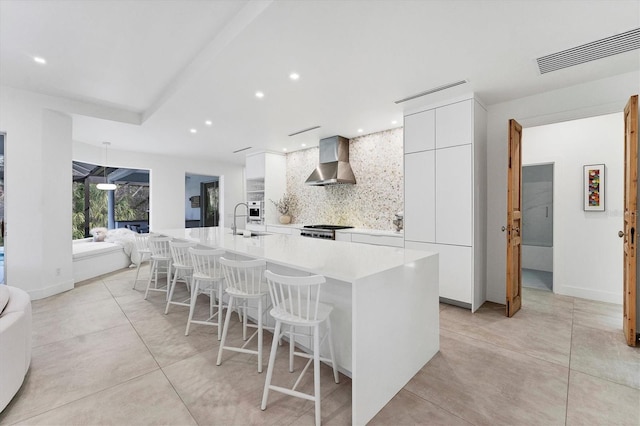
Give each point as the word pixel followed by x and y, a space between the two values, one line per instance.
pixel 242 149
pixel 434 90
pixel 619 43
pixel 304 130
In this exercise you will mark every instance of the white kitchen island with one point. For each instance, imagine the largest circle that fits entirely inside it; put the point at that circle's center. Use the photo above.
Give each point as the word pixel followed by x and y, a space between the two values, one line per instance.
pixel 386 312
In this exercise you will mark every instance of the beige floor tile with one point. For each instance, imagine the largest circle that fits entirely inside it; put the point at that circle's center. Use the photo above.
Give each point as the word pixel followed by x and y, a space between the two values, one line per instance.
pixel 605 354
pixel 548 303
pixel 591 402
pixel 485 384
pixel 87 291
pixel 75 319
pixel 149 399
pixel 335 408
pixel 529 332
pixel 409 409
pixel 604 316
pixel 64 371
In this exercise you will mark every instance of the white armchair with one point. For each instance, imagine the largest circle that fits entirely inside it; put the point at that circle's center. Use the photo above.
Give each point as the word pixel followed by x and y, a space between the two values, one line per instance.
pixel 15 343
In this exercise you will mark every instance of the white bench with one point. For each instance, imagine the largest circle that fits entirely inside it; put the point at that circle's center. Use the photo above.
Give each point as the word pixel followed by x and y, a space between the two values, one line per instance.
pixel 92 259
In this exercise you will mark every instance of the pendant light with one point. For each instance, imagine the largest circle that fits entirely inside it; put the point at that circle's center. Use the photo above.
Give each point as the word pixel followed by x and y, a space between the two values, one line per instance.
pixel 106 186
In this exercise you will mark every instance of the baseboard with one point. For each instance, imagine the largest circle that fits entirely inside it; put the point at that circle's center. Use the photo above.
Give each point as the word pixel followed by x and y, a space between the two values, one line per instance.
pixel 585 293
pixel 51 290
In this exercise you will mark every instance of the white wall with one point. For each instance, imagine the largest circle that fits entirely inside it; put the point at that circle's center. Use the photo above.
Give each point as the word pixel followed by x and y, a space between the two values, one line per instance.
pixel 39 151
pixel 585 100
pixel 587 251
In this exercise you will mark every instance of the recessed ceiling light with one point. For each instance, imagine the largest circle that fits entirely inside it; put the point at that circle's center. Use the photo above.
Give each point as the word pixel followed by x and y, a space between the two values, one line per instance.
pixel 40 60
pixel 193 130
pixel 284 149
pixel 259 95
pixel 304 144
pixel 294 76
pixel 359 130
pixel 208 122
pixel 394 122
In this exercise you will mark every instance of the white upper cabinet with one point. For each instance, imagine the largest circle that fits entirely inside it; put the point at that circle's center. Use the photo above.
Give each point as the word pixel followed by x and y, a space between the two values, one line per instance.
pixel 419 188
pixel 420 131
pixel 454 195
pixel 454 124
pixel 255 166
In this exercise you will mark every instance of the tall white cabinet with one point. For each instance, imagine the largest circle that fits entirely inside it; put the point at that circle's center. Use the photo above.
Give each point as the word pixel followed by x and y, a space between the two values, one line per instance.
pixel 266 180
pixel 445 194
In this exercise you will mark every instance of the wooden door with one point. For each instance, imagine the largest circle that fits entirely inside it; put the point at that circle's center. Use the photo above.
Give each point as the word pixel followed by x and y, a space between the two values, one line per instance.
pixel 630 218
pixel 514 220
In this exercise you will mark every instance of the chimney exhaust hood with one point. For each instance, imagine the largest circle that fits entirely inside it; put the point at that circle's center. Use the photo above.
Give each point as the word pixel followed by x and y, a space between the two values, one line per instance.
pixel 334 167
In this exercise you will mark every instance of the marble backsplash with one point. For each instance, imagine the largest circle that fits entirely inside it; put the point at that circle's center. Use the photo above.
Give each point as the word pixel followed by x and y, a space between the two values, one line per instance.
pixel 377 163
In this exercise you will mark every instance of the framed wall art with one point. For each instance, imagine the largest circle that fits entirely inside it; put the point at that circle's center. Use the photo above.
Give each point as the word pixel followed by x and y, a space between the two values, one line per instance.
pixel 594 189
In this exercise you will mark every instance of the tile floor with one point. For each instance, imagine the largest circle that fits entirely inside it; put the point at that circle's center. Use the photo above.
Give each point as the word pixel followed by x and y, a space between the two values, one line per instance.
pixel 534 278
pixel 103 355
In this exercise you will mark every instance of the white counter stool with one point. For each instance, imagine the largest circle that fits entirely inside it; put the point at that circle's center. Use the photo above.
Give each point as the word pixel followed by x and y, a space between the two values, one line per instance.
pixel 160 261
pixel 182 270
pixel 207 279
pixel 144 253
pixel 245 283
pixel 296 304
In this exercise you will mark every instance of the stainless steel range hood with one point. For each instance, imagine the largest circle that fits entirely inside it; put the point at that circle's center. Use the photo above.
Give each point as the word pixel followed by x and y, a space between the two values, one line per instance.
pixel 334 167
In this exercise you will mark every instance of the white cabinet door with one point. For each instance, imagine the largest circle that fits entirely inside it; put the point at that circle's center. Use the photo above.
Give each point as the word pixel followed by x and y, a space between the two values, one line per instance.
pixel 455 269
pixel 378 240
pixel 454 124
pixel 343 236
pixel 420 131
pixel 419 197
pixel 255 166
pixel 454 196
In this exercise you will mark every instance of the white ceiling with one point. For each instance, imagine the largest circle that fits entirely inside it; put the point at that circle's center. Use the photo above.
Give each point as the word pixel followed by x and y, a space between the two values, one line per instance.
pixel 179 63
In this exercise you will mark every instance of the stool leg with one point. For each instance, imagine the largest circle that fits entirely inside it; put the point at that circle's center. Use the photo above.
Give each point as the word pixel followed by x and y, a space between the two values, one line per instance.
pixel 260 335
pixel 137 273
pixel 272 361
pixel 292 347
pixel 170 292
pixel 192 304
pixel 316 371
pixel 153 266
pixel 225 330
pixel 333 356
pixel 168 277
pixel 220 312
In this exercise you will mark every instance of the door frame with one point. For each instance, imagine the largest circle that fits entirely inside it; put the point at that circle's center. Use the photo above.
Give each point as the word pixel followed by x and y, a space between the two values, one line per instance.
pixel 513 299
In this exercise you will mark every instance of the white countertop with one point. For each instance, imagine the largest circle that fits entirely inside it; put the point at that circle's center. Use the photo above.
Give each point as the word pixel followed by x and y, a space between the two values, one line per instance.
pixel 339 260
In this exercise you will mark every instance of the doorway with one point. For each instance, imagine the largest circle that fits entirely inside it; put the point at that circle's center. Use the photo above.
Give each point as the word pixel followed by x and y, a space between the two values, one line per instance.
pixel 202 200
pixel 537 226
pixel 587 255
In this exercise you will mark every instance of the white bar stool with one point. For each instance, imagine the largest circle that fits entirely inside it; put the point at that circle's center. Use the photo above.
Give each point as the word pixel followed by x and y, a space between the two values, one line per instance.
pixel 245 283
pixel 160 260
pixel 296 303
pixel 207 279
pixel 182 270
pixel 144 253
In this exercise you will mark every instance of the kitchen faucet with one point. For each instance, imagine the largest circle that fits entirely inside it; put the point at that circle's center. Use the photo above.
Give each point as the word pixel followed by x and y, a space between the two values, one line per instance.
pixel 234 228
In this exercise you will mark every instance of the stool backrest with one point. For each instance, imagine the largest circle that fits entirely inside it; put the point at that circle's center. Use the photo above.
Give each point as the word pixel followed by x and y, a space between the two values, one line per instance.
pixel 296 296
pixel 180 252
pixel 142 242
pixel 159 246
pixel 206 262
pixel 244 276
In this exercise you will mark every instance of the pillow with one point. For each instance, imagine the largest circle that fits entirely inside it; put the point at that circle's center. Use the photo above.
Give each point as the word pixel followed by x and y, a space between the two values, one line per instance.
pixel 99 234
pixel 4 297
